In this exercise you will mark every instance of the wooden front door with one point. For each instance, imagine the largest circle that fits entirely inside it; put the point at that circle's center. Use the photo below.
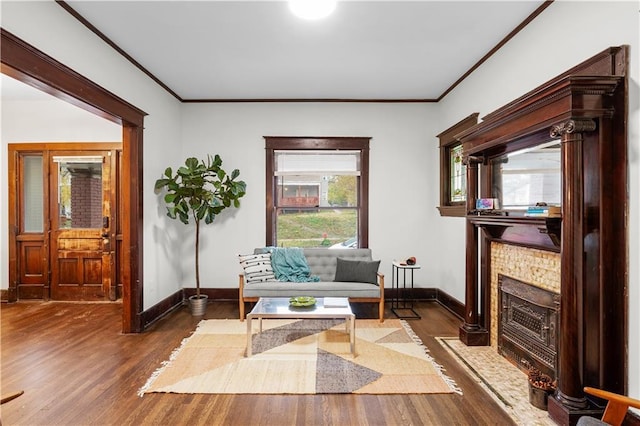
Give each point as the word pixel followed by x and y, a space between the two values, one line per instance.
pixel 82 251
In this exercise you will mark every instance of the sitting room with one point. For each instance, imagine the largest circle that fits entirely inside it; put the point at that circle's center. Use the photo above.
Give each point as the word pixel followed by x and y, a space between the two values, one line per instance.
pixel 418 212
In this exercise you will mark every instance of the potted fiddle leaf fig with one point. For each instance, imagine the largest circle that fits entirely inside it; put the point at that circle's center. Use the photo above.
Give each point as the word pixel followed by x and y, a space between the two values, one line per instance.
pixel 199 191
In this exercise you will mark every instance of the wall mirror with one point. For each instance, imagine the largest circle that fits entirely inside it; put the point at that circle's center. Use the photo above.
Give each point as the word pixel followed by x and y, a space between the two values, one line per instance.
pixel 528 176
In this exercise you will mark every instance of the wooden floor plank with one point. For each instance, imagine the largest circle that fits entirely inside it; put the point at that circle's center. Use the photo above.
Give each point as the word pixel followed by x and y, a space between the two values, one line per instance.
pixel 76 367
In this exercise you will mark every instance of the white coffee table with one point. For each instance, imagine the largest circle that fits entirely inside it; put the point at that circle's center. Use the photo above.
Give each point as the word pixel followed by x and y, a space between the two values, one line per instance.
pixel 279 308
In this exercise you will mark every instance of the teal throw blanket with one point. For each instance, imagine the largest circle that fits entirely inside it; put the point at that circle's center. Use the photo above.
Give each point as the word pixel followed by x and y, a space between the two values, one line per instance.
pixel 289 264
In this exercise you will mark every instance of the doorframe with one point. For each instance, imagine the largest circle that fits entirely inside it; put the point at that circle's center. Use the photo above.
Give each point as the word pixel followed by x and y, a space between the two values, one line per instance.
pixel 31 66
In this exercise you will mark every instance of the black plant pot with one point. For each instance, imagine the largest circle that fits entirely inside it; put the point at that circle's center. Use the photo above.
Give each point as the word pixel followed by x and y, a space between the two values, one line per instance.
pixel 538 397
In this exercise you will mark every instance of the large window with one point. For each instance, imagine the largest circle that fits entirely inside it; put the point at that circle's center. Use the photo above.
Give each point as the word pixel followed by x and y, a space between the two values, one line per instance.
pixel 453 173
pixel 317 192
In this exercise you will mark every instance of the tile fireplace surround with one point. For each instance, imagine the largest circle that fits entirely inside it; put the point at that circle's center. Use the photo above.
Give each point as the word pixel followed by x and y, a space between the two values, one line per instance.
pixel 539 268
pixel 500 378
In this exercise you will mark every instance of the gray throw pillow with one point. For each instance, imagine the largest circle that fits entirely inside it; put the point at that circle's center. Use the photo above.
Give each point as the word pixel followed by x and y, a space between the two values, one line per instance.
pixel 361 271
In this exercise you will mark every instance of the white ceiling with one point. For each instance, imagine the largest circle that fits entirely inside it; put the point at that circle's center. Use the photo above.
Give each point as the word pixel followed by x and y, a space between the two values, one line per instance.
pixel 382 50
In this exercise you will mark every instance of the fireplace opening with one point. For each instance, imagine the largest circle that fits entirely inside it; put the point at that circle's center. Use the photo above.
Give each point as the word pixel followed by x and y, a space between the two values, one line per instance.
pixel 527 325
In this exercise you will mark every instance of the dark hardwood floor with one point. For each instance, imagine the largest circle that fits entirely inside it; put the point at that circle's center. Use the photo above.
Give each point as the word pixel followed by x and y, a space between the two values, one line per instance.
pixel 77 368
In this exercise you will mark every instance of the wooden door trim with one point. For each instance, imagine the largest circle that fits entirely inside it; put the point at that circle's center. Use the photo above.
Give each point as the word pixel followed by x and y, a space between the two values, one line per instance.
pixel 47 150
pixel 32 66
pixel 64 146
pixel 12 160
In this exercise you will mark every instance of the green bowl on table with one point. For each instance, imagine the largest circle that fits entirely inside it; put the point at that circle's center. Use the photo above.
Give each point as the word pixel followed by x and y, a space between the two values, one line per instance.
pixel 302 301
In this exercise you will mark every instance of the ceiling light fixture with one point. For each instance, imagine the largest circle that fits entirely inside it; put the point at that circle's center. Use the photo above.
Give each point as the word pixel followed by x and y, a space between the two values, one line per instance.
pixel 312 9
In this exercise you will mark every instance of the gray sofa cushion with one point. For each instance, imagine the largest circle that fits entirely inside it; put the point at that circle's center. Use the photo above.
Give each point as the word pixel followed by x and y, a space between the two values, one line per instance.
pixel 361 271
pixel 315 289
pixel 322 261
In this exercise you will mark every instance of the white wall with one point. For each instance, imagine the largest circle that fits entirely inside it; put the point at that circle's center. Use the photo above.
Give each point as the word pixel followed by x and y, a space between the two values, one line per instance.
pixel 403 178
pixel 78 48
pixel 54 121
pixel 564 35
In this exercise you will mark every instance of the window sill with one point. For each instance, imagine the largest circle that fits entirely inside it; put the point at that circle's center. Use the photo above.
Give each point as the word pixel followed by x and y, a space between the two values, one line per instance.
pixel 453 211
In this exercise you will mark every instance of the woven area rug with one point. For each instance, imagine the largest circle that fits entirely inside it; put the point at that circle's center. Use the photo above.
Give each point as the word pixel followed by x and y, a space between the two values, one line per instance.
pixel 301 357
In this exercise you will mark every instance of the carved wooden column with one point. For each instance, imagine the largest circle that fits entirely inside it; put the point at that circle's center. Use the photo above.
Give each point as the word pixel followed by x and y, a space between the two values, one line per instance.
pixel 471 333
pixel 570 396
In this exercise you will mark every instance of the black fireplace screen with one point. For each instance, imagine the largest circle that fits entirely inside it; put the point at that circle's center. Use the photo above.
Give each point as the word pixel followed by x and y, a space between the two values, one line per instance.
pixel 527 324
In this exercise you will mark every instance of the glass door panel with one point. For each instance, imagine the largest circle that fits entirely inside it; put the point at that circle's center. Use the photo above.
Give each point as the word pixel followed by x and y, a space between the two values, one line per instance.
pixel 33 194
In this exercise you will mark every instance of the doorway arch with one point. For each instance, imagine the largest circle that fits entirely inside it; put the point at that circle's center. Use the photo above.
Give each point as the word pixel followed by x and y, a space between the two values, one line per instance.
pixel 31 66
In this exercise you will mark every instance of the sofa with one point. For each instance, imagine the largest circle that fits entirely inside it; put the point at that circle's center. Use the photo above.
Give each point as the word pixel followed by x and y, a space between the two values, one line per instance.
pixel 323 263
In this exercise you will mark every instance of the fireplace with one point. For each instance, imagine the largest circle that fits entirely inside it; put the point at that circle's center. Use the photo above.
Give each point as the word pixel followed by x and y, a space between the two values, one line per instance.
pixel 586 109
pixel 527 324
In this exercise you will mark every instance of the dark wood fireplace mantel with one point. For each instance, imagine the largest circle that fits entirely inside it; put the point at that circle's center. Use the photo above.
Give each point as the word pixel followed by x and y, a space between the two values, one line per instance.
pixel 586 109
pixel 535 232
